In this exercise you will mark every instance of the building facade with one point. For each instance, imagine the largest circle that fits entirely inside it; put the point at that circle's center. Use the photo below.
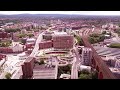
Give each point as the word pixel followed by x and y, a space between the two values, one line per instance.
pixel 3 35
pixel 6 50
pixel 86 56
pixel 27 67
pixel 63 41
pixel 45 44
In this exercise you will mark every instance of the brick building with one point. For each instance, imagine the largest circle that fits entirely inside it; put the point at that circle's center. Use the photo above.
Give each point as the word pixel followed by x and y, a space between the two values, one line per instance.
pixel 29 46
pixel 63 41
pixel 3 35
pixel 2 56
pixel 47 35
pixel 6 50
pixel 27 67
pixel 45 44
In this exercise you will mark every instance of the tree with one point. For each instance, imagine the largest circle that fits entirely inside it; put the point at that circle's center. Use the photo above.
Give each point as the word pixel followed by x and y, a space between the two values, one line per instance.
pixel 21 35
pixel 115 45
pixel 30 35
pixel 91 40
pixel 95 38
pixel 104 32
pixel 23 41
pixel 94 75
pixel 12 30
pixel 84 76
pixel 79 40
pixel 41 62
pixel 94 35
pixel 84 72
pixel 3 44
pixel 66 68
pixel 8 76
pixel 101 38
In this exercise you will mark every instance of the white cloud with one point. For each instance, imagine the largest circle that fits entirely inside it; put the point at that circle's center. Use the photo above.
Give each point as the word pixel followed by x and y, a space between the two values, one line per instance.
pixel 63 12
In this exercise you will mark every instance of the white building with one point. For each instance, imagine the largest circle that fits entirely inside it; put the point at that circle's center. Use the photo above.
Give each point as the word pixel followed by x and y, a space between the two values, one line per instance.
pixel 30 41
pixel 86 56
pixel 83 67
pixel 18 48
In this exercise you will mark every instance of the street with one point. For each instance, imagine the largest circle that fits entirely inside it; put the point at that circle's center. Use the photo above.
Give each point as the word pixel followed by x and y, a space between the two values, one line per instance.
pixel 76 61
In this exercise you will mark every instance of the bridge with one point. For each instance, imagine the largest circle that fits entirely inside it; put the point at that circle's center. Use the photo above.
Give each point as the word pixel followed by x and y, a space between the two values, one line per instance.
pixel 97 62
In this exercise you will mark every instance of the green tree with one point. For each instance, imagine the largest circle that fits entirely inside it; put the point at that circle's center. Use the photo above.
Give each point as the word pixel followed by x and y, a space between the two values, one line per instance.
pixel 101 38
pixel 91 40
pixel 94 75
pixel 30 35
pixel 84 72
pixel 12 30
pixel 21 35
pixel 8 75
pixel 3 44
pixel 23 41
pixel 104 32
pixel 79 40
pixel 41 62
pixel 84 76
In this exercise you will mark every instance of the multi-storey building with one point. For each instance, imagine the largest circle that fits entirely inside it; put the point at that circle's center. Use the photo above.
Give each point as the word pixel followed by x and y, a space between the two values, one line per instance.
pixel 3 35
pixel 45 44
pixel 63 41
pixel 27 67
pixel 6 50
pixel 86 56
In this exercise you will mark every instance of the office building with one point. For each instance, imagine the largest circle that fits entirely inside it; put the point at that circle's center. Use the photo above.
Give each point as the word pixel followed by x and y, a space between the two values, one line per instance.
pixel 27 67
pixel 86 56
pixel 47 35
pixel 63 41
pixel 3 35
pixel 45 44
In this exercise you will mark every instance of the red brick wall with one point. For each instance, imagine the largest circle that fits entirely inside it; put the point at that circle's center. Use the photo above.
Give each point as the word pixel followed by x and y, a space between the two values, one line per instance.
pixel 3 35
pixel 6 50
pixel 45 44
pixel 63 42
pixel 27 68
pixel 29 46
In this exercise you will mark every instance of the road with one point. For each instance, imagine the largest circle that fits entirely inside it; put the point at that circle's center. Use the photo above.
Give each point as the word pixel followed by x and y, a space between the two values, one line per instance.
pixel 76 61
pixel 36 47
pixel 34 52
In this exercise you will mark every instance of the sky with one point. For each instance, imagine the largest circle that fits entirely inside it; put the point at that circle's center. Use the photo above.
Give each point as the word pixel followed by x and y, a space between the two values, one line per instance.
pixel 63 12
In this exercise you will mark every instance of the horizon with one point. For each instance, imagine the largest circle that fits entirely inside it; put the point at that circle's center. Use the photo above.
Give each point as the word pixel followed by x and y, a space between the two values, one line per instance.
pixel 90 13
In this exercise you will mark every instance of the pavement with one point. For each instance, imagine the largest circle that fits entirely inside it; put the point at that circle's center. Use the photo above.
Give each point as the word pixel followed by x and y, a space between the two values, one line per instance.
pixel 76 61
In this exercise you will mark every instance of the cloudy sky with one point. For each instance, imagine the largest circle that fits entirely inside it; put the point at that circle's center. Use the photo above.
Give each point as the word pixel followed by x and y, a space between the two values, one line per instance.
pixel 63 12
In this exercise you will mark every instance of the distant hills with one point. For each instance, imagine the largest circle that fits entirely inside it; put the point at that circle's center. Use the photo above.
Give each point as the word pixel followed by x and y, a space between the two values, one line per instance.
pixel 59 15
pixel 67 16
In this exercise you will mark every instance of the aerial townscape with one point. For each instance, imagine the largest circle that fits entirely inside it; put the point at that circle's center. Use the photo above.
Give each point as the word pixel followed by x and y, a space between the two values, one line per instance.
pixel 59 46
